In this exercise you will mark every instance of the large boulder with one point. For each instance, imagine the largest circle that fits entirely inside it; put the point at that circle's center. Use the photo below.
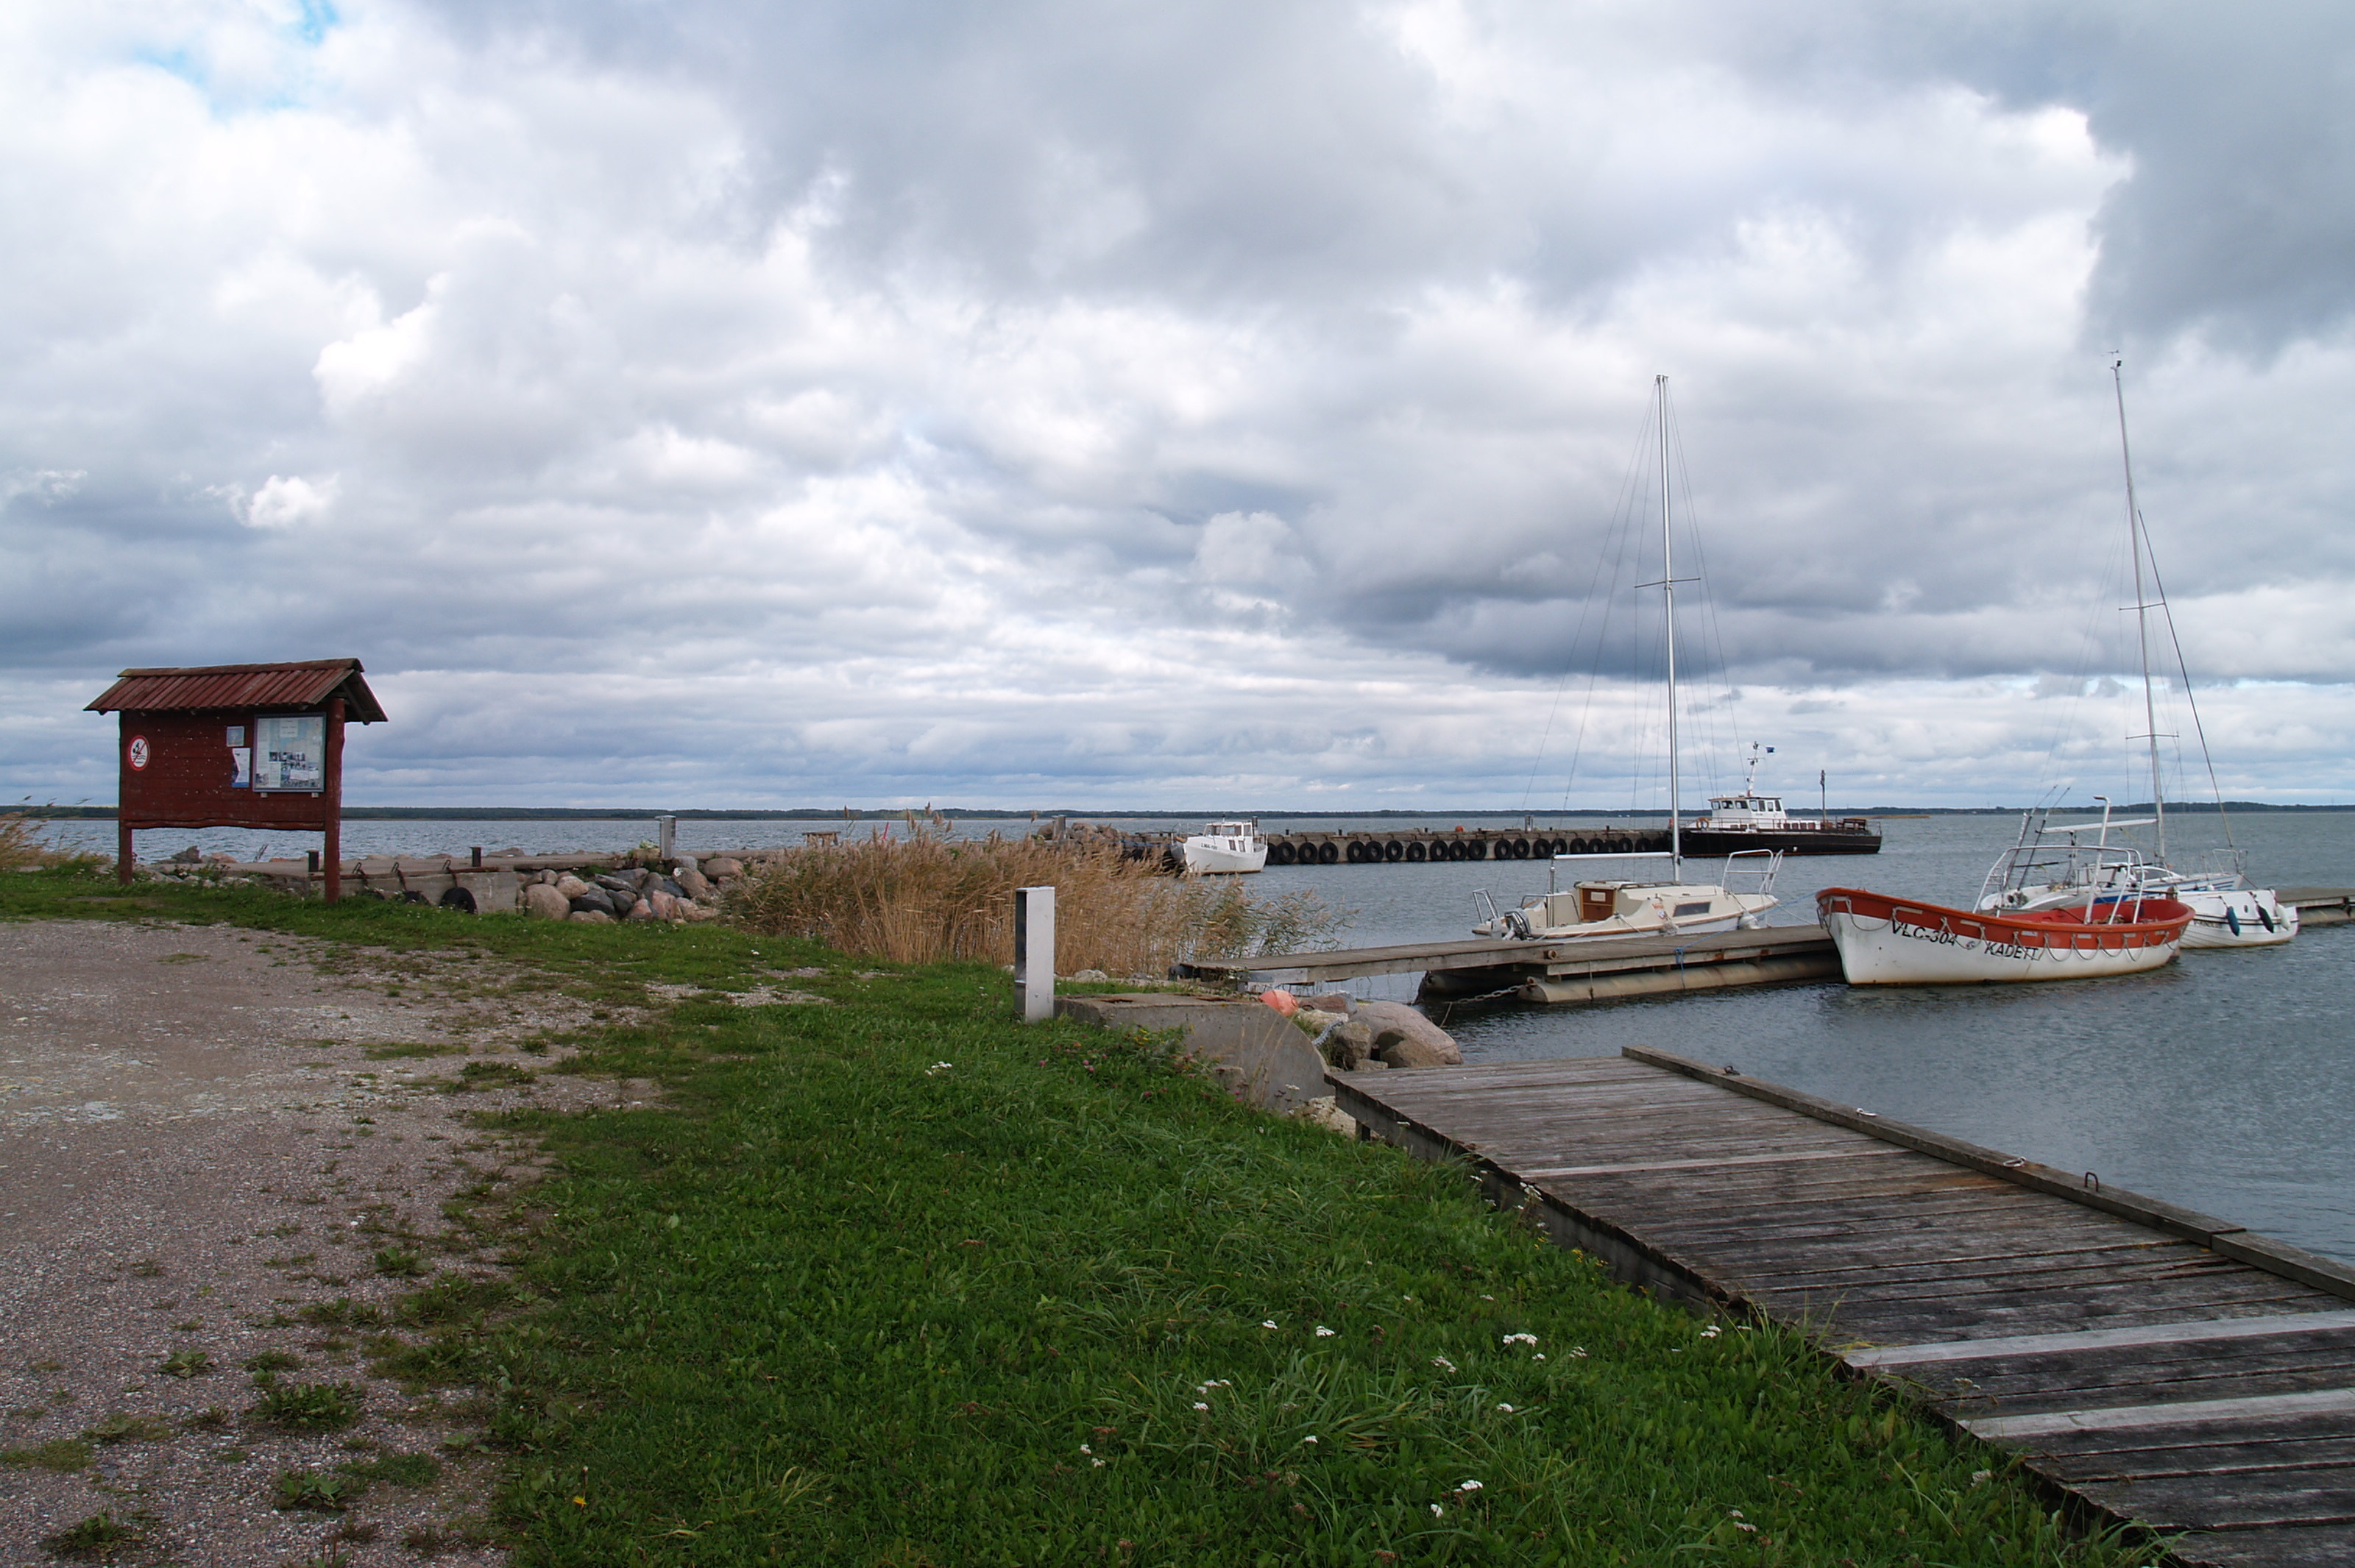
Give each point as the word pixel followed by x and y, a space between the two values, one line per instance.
pixel 1332 1002
pixel 663 905
pixel 545 903
pixel 1396 1025
pixel 590 917
pixel 641 910
pixel 720 868
pixel 693 883
pixel 571 886
pixel 1350 1047
pixel 620 881
pixel 594 900
pixel 697 911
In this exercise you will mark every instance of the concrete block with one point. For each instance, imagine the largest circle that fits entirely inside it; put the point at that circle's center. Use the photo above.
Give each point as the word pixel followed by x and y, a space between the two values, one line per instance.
pixel 1259 1056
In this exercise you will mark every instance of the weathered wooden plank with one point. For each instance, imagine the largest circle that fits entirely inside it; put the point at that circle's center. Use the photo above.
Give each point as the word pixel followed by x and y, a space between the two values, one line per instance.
pixel 2195 1332
pixel 2164 1417
pixel 2312 1498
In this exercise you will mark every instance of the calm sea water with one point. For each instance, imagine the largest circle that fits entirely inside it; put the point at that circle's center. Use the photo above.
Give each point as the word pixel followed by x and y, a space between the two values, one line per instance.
pixel 2225 1083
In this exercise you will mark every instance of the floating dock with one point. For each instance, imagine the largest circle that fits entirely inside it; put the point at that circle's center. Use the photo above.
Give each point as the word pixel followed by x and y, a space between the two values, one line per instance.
pixel 1606 969
pixel 1591 970
pixel 2160 1366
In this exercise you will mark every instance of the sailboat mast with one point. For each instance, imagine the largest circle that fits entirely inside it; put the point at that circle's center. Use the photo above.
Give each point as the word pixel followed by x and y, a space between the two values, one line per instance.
pixel 1669 588
pixel 2142 607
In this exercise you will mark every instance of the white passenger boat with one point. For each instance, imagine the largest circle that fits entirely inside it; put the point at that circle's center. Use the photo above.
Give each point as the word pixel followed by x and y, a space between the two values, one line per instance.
pixel 1630 907
pixel 1226 846
pixel 1886 941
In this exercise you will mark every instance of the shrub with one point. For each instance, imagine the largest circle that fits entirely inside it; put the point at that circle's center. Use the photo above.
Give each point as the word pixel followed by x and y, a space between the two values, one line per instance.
pixel 923 899
pixel 310 1407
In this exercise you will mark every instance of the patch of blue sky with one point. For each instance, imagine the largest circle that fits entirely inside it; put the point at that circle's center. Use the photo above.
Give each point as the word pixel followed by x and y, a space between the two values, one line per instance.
pixel 307 24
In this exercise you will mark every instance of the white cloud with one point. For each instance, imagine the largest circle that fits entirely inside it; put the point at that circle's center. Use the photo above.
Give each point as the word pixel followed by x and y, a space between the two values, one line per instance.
pixel 1169 406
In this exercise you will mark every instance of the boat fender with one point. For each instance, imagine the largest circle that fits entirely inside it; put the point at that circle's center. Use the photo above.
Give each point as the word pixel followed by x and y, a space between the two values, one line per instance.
pixel 2231 921
pixel 2265 917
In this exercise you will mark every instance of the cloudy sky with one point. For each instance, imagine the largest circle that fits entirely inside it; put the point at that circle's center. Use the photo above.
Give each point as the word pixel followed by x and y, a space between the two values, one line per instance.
pixel 1225 405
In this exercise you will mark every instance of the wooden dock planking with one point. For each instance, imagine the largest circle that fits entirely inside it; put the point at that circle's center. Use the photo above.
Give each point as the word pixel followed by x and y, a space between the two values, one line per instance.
pixel 2162 1365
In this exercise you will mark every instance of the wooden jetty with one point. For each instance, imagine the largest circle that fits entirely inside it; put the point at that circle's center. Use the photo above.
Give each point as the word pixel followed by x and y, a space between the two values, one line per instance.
pixel 2161 1367
pixel 1590 970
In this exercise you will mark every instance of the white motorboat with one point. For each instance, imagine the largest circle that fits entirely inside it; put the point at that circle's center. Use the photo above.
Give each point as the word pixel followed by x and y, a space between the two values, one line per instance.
pixel 2041 874
pixel 1626 906
pixel 1226 846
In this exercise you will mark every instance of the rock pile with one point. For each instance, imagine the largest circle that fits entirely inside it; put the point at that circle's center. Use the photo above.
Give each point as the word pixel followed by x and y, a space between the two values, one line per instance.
pixel 1357 1037
pixel 688 892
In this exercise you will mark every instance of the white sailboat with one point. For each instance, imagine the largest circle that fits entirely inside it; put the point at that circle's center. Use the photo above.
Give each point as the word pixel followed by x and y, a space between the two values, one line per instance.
pixel 2041 874
pixel 1605 907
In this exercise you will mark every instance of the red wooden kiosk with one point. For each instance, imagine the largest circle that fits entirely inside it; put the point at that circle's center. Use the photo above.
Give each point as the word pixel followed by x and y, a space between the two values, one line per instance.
pixel 238 745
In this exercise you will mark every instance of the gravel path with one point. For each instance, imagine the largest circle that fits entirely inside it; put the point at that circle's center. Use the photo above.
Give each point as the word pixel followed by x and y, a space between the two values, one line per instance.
pixel 205 1132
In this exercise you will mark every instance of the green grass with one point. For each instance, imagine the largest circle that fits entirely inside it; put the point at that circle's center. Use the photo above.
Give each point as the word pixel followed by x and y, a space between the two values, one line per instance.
pixel 101 1537
pixel 309 1407
pixel 67 1453
pixel 1060 1302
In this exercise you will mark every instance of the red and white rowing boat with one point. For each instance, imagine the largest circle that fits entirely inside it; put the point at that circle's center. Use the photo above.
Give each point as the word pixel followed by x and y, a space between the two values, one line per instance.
pixel 1886 941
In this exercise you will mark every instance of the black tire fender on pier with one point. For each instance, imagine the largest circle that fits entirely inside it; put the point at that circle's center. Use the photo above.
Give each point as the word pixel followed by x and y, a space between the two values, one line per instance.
pixel 1417 852
pixel 1521 849
pixel 1331 853
pixel 1393 850
pixel 1280 854
pixel 1355 854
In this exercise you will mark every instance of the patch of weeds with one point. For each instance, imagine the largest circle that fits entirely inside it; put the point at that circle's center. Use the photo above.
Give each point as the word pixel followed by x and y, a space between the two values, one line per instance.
pixel 357 1532
pixel 456 1299
pixel 487 1075
pixel 228 1456
pixel 100 1536
pixel 448 1358
pixel 147 1268
pixel 212 1418
pixel 342 1312
pixel 398 1469
pixel 189 1363
pixel 333 1557
pixel 309 1407
pixel 416 1048
pixel 124 1427
pixel 271 1361
pixel 61 1454
pixel 430 1541
pixel 321 1491
pixel 399 1263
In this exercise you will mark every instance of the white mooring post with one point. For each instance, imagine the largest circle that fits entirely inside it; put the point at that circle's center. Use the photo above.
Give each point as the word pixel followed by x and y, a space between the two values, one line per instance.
pixel 665 837
pixel 1034 951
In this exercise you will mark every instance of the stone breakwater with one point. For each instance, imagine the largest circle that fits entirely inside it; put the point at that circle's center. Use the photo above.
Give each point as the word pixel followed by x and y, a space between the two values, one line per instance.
pixel 613 888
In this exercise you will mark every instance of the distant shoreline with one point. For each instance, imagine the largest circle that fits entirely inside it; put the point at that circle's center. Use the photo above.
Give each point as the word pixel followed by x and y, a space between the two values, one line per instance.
pixel 961 813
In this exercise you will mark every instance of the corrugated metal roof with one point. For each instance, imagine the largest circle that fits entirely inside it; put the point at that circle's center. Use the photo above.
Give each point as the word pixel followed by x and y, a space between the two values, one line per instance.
pixel 304 685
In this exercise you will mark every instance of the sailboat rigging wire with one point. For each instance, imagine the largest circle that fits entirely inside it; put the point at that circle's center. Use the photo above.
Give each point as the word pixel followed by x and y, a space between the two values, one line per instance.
pixel 1614 554
pixel 1716 638
pixel 2183 673
pixel 1570 664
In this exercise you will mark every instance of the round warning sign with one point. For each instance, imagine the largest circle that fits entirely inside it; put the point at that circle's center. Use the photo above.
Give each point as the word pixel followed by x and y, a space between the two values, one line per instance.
pixel 137 752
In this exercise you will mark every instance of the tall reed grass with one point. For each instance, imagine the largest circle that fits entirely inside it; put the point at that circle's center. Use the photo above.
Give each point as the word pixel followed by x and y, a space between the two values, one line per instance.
pixel 922 899
pixel 19 843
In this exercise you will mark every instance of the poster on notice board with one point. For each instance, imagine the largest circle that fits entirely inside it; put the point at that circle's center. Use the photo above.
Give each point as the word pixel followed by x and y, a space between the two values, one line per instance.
pixel 290 752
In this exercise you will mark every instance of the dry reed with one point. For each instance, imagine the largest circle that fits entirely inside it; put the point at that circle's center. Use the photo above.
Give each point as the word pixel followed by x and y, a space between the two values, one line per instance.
pixel 20 844
pixel 921 899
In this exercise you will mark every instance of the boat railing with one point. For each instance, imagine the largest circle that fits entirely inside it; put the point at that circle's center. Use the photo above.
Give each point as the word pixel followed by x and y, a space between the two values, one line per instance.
pixel 1484 913
pixel 1763 876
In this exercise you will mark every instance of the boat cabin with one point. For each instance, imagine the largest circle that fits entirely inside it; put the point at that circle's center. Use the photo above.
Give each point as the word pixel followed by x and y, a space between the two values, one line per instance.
pixel 1641 905
pixel 1746 811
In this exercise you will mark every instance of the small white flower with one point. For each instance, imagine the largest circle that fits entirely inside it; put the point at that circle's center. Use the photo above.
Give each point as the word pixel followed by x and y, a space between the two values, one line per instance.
pixel 1488 1298
pixel 1578 1349
pixel 1539 1356
pixel 1098 1464
pixel 1310 1439
pixel 938 1067
pixel 1267 1322
pixel 1085 1449
pixel 1443 1363
pixel 1981 1478
pixel 1435 1510
pixel 1520 1338
pixel 1199 1405
pixel 1325 1333
pixel 1709 1332
pixel 1734 1511
pixel 1506 1408
pixel 1745 1524
pixel 1469 1487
